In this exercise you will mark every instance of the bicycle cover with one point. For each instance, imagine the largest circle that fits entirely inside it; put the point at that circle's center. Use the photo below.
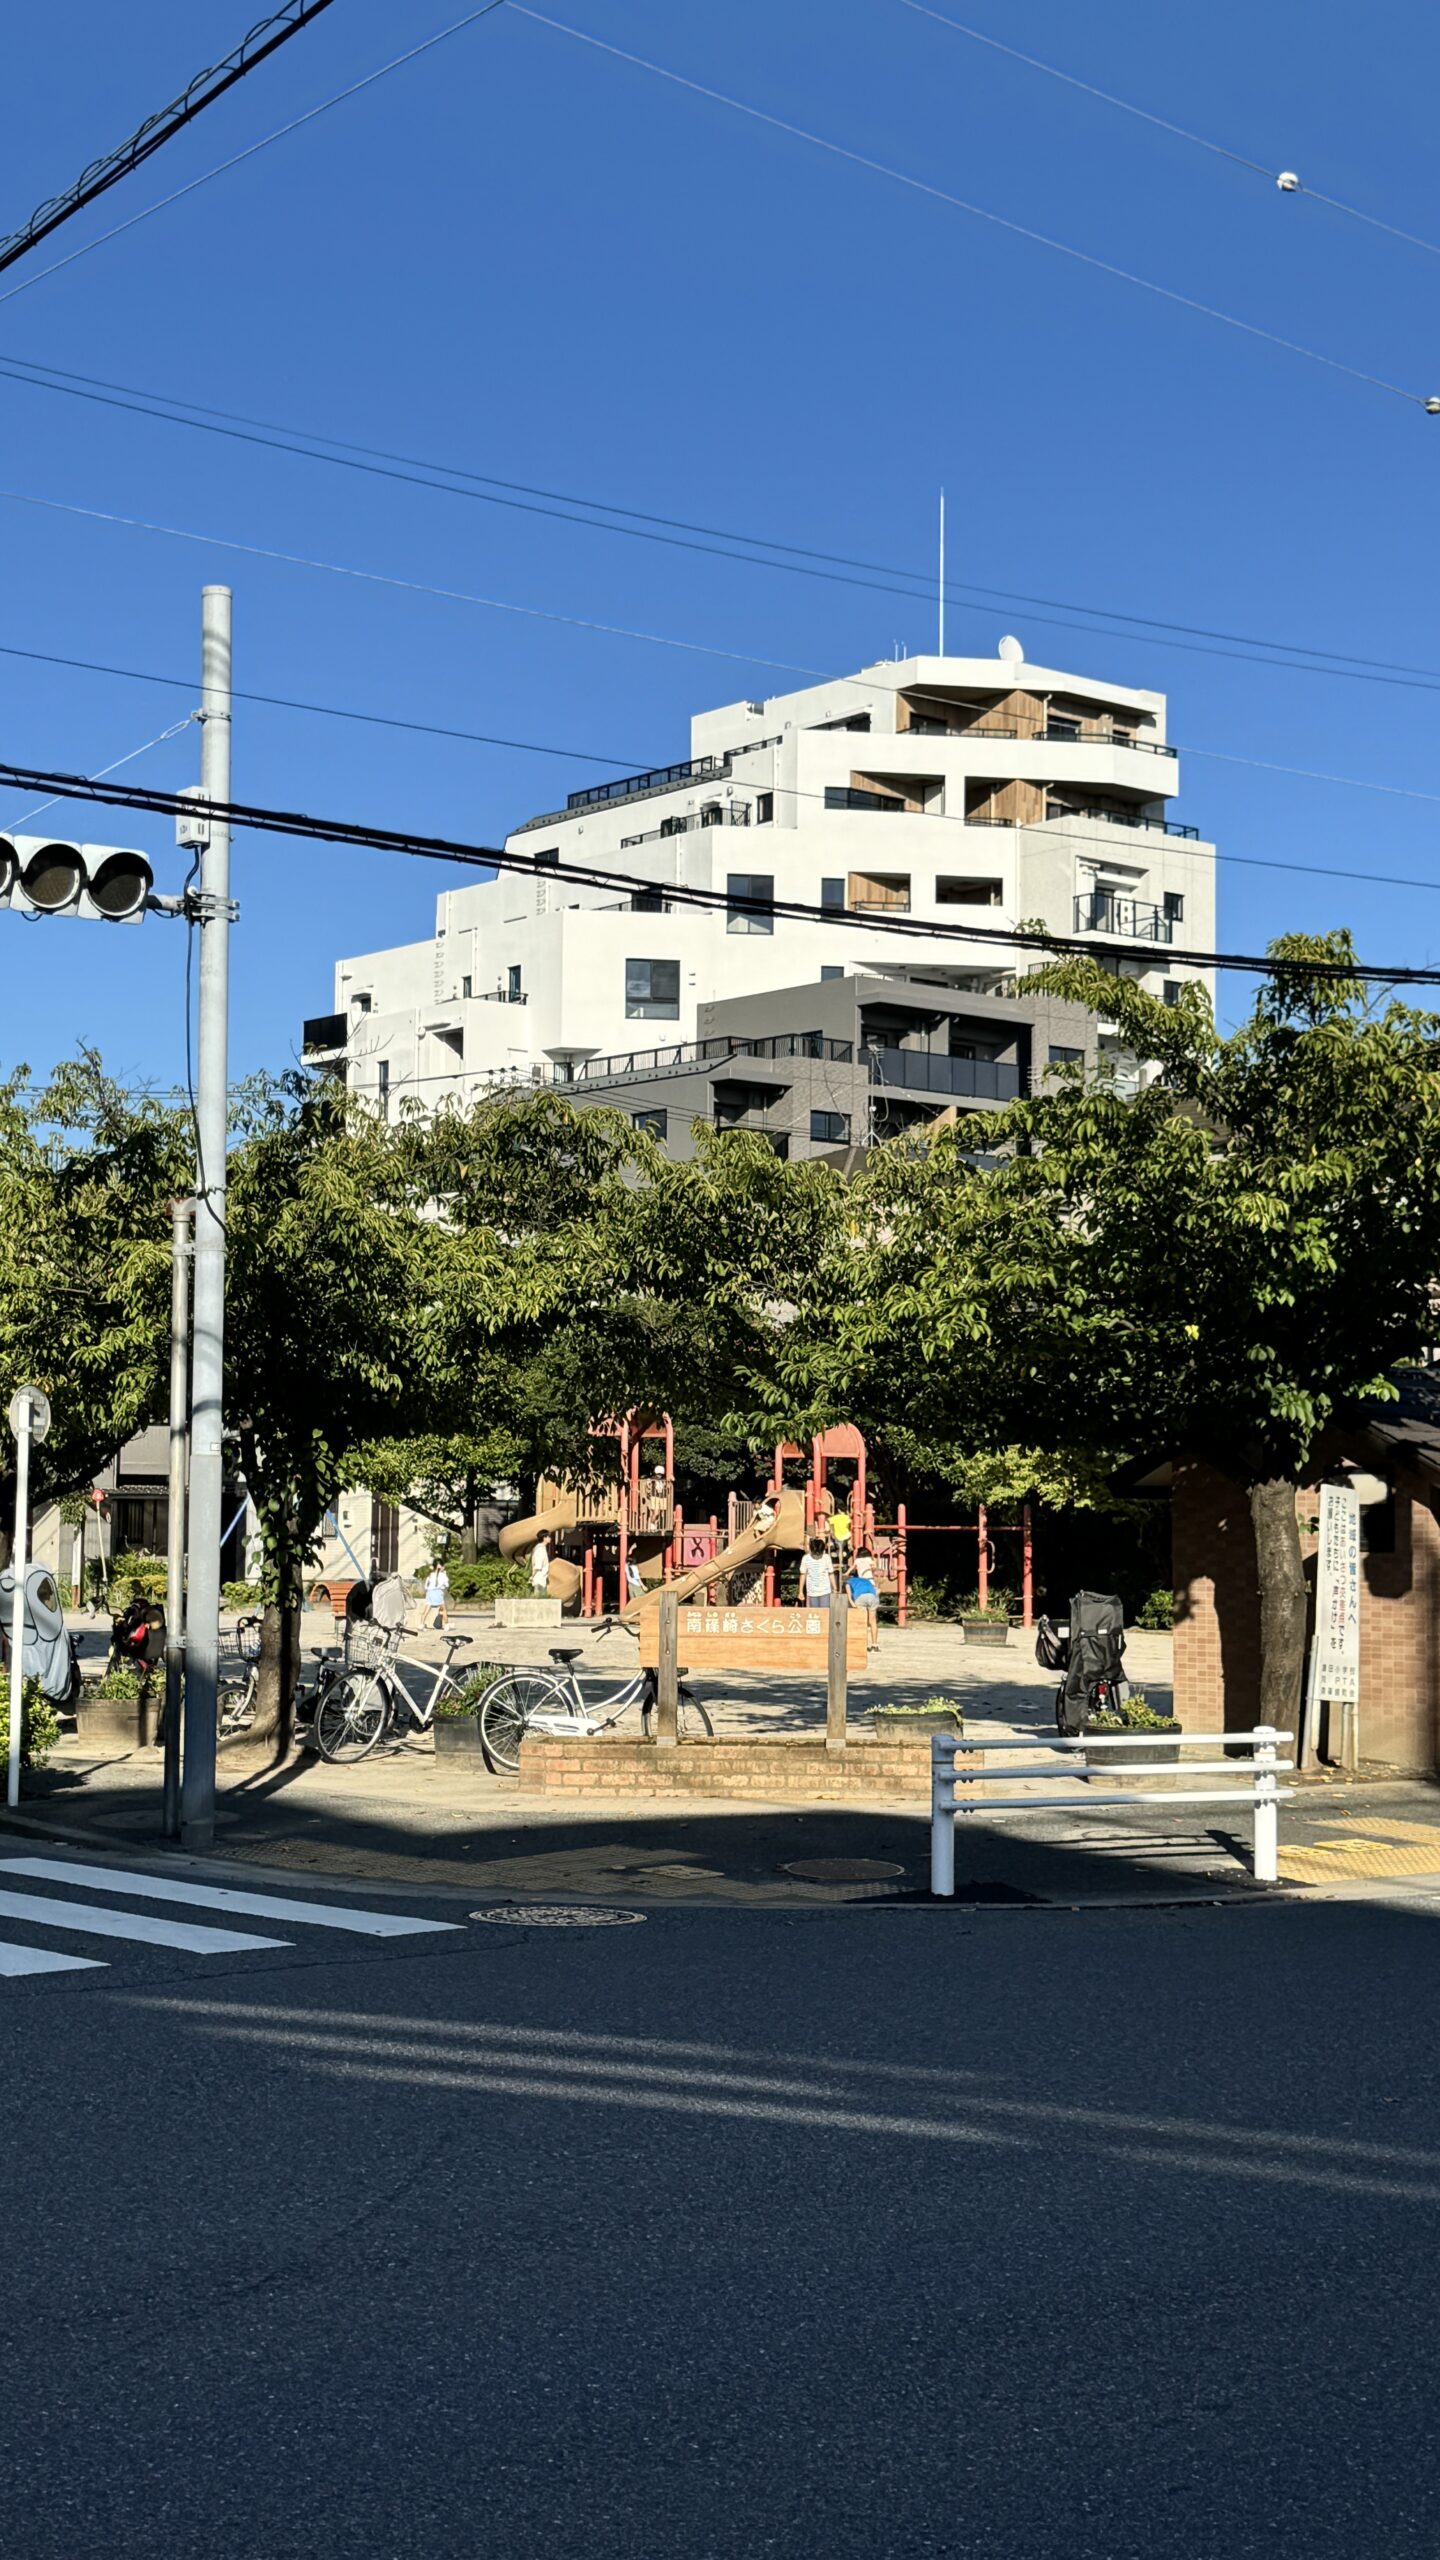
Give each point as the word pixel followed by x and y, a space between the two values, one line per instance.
pixel 45 1646
pixel 387 1602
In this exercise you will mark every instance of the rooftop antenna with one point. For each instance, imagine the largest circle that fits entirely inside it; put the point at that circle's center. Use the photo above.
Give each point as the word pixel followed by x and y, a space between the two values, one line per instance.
pixel 941 584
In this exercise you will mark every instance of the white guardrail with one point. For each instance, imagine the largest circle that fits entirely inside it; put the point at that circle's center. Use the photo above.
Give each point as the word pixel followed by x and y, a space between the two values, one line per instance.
pixel 955 1792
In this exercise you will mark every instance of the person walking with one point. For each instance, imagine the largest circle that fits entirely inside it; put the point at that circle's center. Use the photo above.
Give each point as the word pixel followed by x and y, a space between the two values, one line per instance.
pixel 817 1576
pixel 540 1567
pixel 437 1595
pixel 863 1586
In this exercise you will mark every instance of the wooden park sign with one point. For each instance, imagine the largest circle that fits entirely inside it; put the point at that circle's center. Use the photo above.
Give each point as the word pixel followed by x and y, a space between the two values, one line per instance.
pixel 754 1639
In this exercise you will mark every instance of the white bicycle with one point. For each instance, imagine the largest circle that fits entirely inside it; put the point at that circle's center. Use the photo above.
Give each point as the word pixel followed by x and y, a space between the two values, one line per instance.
pixel 553 1702
pixel 359 1704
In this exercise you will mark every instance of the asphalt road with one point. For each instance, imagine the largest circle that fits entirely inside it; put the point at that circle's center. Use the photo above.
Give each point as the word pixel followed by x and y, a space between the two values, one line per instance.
pixel 1033 2234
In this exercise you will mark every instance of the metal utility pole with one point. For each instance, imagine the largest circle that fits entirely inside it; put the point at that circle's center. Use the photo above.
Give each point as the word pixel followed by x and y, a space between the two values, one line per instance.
pixel 207 1369
pixel 180 1215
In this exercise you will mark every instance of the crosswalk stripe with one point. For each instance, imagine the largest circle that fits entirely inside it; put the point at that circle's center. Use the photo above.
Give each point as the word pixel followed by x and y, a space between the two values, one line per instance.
pixel 219 1897
pixel 15 1959
pixel 45 1913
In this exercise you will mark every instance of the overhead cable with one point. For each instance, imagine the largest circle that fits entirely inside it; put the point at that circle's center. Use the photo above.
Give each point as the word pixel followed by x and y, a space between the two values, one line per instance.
pixel 488 858
pixel 804 561
pixel 221 166
pixel 9 826
pixel 263 39
pixel 983 213
pixel 1287 180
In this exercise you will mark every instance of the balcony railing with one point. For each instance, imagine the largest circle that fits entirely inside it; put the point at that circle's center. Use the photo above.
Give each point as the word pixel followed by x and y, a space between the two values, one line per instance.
pixel 839 795
pixel 930 1071
pixel 680 1057
pixel 1128 919
pixel 323 1034
pixel 1113 816
pixel 732 813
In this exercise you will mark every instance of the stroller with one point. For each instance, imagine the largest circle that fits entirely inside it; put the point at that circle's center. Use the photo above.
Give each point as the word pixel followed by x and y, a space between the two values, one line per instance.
pixel 1089 1649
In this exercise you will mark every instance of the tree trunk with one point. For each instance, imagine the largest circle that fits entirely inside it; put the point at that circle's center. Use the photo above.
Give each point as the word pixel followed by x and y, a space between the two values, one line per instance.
pixel 279 1663
pixel 1282 1599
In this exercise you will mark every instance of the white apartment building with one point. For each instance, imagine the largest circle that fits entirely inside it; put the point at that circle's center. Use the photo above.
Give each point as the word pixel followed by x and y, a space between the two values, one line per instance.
pixel 979 792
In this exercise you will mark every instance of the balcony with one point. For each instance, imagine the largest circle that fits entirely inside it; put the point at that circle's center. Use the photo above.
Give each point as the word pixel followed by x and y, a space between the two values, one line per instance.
pixel 1127 919
pixel 930 1071
pixel 683 1057
pixel 323 1034
pixel 1113 814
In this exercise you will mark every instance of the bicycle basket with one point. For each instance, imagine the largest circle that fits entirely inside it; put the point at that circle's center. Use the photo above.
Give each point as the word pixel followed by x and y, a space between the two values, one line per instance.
pixel 367 1645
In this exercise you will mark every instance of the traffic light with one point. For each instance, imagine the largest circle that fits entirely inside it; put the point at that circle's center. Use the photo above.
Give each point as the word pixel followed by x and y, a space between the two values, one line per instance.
pixel 45 876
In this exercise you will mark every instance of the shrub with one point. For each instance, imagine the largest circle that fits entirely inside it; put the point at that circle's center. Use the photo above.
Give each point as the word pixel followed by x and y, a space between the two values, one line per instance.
pixel 1158 1611
pixel 122 1680
pixel 451 1709
pixel 488 1579
pixel 926 1600
pixel 998 1604
pixel 145 1575
pixel 240 1595
pixel 927 1709
pixel 39 1723
pixel 1134 1715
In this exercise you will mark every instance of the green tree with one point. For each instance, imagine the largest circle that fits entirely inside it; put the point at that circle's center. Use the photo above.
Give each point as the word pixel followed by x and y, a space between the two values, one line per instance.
pixel 1220 1263
pixel 86 1176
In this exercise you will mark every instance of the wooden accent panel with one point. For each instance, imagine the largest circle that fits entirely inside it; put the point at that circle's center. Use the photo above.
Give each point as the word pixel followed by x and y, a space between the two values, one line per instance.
pixel 865 889
pixel 753 1639
pixel 1019 804
pixel 890 788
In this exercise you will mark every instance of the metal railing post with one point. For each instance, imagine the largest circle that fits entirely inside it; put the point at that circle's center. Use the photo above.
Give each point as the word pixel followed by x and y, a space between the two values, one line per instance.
pixel 1267 1817
pixel 942 1818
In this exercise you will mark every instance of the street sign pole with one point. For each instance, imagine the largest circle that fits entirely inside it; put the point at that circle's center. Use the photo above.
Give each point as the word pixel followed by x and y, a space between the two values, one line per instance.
pixel 29 1418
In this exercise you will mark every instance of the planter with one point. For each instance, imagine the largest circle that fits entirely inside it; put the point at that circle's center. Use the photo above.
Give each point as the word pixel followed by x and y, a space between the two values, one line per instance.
pixel 530 1612
pixel 992 1631
pixel 458 1738
pixel 895 1728
pixel 1145 1753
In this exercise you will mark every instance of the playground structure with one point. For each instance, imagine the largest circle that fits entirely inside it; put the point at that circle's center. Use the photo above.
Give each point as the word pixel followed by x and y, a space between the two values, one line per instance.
pixel 628 1517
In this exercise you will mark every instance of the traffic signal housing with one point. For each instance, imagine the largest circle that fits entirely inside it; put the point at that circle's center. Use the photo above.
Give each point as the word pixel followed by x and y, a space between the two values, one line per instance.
pixel 50 876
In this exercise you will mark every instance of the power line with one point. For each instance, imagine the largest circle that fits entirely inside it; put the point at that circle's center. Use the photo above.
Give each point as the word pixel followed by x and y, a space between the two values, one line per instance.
pixel 982 213
pixel 1286 179
pixel 251 148
pixel 263 39
pixel 341 831
pixel 11 825
pixel 636 763
pixel 568 508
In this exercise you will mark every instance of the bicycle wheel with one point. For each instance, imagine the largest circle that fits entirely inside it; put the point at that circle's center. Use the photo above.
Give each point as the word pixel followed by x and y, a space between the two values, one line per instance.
pixel 235 1702
pixel 506 1711
pixel 351 1714
pixel 694 1719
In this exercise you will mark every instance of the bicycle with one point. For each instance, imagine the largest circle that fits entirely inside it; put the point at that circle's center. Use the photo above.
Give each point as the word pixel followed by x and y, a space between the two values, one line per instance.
pixel 553 1702
pixel 357 1706
pixel 238 1685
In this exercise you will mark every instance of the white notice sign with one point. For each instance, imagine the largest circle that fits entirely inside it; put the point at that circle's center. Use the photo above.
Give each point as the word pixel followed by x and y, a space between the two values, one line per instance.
pixel 1336 1672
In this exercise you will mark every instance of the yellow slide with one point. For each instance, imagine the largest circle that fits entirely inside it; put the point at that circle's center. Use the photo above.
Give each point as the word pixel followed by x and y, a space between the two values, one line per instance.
pixel 787 1529
pixel 519 1536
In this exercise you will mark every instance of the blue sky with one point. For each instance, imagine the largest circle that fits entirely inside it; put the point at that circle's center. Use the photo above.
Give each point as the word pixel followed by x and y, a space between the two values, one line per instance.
pixel 525 257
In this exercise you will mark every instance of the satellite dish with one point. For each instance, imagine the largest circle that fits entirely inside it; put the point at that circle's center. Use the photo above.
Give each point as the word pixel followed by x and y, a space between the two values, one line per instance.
pixel 1012 650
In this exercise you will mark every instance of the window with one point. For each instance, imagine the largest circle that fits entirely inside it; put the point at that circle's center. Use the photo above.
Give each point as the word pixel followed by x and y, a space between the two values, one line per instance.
pixel 1062 1057
pixel 547 861
pixel 1171 990
pixel 764 808
pixel 752 902
pixel 652 990
pixel 674 826
pixel 361 1003
pixel 832 895
pixel 951 890
pixel 832 969
pixel 1174 907
pixel 711 814
pixel 467 986
pixel 648 902
pixel 654 1123
pixel 383 1087
pixel 830 1128
pixel 841 795
pixel 512 982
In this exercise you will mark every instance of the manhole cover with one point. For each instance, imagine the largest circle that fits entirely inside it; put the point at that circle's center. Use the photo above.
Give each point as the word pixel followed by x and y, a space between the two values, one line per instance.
pixel 556 1915
pixel 842 1870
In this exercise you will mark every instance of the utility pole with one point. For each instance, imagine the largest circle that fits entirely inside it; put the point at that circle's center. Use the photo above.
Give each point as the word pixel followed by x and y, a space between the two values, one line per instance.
pixel 180 1215
pixel 941 590
pixel 207 1370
